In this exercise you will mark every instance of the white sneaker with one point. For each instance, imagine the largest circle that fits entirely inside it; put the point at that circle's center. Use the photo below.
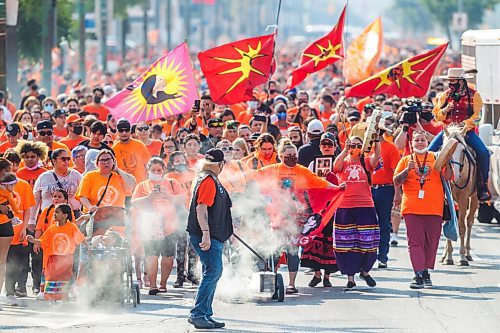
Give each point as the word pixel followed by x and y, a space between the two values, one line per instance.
pixel 40 296
pixel 12 301
pixel 394 239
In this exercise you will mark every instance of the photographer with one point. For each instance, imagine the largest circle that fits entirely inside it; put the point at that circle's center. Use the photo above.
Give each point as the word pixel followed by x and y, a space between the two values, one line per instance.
pixel 417 116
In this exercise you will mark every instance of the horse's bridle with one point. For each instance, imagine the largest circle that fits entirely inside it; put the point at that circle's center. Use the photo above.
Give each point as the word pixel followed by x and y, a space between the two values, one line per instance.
pixel 467 155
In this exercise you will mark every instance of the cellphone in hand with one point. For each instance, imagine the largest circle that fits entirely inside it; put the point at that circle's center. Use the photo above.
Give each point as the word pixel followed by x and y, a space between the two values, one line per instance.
pixel 197 105
pixel 260 118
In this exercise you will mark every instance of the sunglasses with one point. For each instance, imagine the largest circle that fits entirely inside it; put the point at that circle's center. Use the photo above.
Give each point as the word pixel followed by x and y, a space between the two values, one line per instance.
pixel 121 130
pixel 45 133
pixel 327 143
pixel 356 145
pixel 227 149
pixel 143 128
pixel 219 124
pixel 64 159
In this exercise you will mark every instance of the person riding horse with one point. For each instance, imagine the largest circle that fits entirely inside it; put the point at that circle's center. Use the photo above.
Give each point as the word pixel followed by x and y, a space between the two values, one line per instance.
pixel 462 104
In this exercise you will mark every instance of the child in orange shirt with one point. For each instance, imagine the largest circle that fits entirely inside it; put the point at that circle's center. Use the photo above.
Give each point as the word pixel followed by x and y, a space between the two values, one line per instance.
pixel 59 244
pixel 7 184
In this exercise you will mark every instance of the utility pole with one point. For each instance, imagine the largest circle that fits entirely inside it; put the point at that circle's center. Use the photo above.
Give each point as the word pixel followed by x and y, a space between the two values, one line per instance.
pixel 3 44
pixel 81 41
pixel 169 25
pixel 187 18
pixel 102 29
pixel 48 42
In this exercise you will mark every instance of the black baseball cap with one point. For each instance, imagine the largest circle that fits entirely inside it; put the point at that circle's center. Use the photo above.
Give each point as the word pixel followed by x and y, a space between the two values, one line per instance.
pixel 44 125
pixel 60 112
pixel 123 123
pixel 214 155
pixel 254 136
pixel 12 129
pixel 215 122
pixel 353 115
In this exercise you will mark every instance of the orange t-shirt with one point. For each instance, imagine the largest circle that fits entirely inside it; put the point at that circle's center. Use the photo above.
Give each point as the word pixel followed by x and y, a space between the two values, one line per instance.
pixel 100 111
pixel 277 176
pixel 199 125
pixel 7 198
pixel 383 173
pixel 30 175
pixel 132 157
pixel 72 143
pixel 191 162
pixel 165 210
pixel 4 146
pixel 61 240
pixel 433 201
pixel 60 133
pixel 257 161
pixel 24 198
pixel 358 191
pixel 234 176
pixel 154 147
pixel 184 178
pixel 206 192
pixel 45 219
pixel 92 187
pixel 245 117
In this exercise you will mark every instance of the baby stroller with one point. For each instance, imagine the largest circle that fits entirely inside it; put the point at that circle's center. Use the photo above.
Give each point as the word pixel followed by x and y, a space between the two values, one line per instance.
pixel 109 268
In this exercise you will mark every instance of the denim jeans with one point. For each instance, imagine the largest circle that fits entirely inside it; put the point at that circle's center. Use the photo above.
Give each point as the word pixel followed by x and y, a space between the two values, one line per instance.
pixel 211 261
pixel 383 198
pixel 473 140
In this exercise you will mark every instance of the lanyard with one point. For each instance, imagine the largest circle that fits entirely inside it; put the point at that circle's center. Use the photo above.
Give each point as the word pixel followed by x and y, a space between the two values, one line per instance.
pixel 422 168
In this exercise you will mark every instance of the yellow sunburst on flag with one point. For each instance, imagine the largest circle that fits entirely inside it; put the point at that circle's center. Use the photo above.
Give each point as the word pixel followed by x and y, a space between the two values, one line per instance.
pixel 165 89
pixel 325 53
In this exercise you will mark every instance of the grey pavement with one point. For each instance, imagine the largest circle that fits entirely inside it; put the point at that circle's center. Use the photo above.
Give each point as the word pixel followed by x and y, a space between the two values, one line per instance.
pixel 464 299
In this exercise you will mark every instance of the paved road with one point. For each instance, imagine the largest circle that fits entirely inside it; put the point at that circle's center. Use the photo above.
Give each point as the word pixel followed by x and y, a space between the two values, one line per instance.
pixel 464 299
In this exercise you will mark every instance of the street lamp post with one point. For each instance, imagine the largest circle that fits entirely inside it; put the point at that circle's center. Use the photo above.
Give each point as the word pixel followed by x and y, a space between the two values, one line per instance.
pixel 3 42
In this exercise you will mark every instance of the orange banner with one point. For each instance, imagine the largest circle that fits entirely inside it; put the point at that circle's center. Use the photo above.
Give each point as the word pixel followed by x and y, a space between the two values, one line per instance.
pixel 363 53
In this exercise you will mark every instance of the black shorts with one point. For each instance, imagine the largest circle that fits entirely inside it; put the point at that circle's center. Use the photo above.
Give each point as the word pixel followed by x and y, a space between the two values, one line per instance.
pixel 164 247
pixel 6 230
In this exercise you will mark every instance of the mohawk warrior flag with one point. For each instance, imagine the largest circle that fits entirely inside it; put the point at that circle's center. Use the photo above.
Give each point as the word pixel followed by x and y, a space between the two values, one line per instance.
pixel 363 53
pixel 321 53
pixel 410 77
pixel 167 88
pixel 233 70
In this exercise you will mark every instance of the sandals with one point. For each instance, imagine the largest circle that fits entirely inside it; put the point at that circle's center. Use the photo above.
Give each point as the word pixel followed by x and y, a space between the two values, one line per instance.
pixel 291 290
pixel 153 291
pixel 162 290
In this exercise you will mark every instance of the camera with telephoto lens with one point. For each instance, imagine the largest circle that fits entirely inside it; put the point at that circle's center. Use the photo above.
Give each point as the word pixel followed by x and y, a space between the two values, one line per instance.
pixel 410 110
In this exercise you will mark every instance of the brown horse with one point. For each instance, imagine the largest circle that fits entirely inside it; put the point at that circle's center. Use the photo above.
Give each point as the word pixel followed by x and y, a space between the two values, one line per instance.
pixel 464 193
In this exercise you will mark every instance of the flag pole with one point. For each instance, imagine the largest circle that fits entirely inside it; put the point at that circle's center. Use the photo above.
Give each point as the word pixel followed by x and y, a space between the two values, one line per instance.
pixel 274 47
pixel 344 46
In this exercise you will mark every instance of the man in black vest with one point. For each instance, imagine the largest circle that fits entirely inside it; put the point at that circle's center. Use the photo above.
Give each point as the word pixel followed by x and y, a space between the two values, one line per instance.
pixel 209 226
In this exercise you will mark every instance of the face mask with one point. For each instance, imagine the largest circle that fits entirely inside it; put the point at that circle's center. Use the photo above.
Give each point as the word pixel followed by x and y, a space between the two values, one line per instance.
pixel 49 108
pixel 428 116
pixel 180 167
pixel 355 152
pixel 281 115
pixel 97 99
pixel 253 105
pixel 454 86
pixel 290 161
pixel 72 110
pixel 321 108
pixel 36 166
pixel 155 177
pixel 78 130
pixel 420 151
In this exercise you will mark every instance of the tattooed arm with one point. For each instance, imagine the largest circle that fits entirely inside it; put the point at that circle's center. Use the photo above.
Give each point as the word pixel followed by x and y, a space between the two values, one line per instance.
pixel 401 177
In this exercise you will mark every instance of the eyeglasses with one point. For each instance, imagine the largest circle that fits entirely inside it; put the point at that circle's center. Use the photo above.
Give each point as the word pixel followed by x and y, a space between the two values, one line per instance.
pixel 227 149
pixel 105 160
pixel 143 128
pixel 80 156
pixel 327 143
pixel 45 133
pixel 64 159
pixel 121 130
pixel 356 145
pixel 169 147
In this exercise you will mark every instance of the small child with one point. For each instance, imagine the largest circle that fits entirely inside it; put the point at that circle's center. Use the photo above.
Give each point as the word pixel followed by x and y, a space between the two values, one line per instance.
pixel 45 220
pixel 109 240
pixel 7 184
pixel 59 244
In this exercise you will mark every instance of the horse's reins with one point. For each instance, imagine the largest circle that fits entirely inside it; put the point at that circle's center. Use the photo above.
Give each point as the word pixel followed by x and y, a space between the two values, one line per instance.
pixel 470 160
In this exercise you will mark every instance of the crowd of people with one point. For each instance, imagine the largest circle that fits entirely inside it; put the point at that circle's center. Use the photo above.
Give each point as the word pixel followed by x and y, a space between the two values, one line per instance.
pixel 63 158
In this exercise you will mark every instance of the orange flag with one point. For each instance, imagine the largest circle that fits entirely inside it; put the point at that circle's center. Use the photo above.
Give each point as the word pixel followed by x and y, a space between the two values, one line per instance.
pixel 410 77
pixel 363 53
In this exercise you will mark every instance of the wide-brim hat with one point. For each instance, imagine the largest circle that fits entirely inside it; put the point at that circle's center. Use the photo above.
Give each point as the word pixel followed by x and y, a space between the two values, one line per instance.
pixel 458 73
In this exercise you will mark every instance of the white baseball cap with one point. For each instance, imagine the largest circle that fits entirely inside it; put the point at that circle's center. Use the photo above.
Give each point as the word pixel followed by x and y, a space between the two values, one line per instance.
pixel 315 127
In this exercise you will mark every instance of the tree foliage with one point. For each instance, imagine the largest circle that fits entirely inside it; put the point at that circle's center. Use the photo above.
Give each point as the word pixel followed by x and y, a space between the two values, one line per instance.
pixel 32 24
pixel 443 10
pixel 412 15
